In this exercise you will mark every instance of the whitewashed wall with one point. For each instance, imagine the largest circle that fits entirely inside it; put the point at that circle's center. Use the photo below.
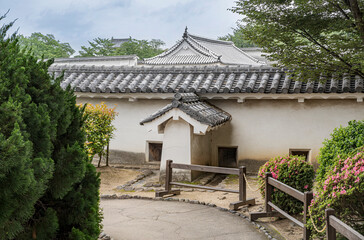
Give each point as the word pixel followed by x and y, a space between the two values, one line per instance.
pixel 260 129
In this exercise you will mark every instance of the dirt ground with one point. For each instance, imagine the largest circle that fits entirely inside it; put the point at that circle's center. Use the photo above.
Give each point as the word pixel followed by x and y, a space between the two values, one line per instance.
pixel 112 177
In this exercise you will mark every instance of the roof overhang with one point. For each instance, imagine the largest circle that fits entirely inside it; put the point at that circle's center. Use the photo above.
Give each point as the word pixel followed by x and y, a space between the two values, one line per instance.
pixel 176 114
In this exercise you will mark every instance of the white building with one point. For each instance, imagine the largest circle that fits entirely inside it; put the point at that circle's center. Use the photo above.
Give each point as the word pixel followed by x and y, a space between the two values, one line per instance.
pixel 207 102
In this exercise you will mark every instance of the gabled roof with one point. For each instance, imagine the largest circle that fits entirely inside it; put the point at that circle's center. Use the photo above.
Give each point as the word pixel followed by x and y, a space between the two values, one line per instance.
pixel 208 79
pixel 191 104
pixel 192 49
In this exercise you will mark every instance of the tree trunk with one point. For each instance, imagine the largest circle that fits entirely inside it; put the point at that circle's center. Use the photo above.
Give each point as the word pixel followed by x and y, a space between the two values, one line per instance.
pixel 107 154
pixel 98 165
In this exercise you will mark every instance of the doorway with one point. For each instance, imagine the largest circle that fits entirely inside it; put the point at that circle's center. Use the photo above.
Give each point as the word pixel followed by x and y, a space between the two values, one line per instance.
pixel 155 152
pixel 227 157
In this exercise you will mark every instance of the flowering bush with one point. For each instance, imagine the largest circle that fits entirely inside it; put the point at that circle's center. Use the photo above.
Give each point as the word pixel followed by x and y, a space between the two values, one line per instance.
pixel 342 190
pixel 293 171
pixel 98 127
pixel 343 140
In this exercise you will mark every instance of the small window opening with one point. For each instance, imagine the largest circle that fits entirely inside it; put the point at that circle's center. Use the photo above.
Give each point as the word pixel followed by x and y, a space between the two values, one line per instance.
pixel 300 152
pixel 155 152
pixel 227 156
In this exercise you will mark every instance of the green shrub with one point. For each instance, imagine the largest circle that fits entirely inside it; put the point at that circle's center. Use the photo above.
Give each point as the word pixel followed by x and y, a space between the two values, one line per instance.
pixel 342 190
pixel 293 171
pixel 343 140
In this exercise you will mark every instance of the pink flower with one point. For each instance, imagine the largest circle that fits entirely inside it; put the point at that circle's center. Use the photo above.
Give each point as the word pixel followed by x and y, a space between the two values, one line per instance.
pixel 305 187
pixel 343 191
pixel 334 194
pixel 357 180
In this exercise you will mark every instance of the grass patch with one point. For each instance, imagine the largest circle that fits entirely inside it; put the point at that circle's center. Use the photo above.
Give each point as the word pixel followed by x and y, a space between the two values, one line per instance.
pixel 232 179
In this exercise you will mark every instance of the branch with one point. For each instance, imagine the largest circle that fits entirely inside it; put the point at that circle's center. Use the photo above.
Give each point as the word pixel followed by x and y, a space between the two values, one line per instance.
pixel 331 52
pixel 358 16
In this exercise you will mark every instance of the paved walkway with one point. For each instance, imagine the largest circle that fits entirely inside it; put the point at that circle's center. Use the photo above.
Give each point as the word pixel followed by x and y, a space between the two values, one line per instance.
pixel 146 219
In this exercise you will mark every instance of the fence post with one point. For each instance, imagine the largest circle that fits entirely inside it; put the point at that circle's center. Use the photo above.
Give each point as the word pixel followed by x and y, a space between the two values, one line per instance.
pixel 168 175
pixel 330 231
pixel 306 203
pixel 268 192
pixel 242 184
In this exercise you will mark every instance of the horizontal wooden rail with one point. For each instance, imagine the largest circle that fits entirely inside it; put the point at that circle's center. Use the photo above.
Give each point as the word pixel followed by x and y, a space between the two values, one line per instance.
pixel 334 224
pixel 206 168
pixel 287 189
pixel 241 172
pixel 203 187
pixel 276 208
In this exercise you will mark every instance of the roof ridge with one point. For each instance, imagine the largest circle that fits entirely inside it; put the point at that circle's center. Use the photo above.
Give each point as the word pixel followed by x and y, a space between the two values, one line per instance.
pixel 212 40
pixel 203 47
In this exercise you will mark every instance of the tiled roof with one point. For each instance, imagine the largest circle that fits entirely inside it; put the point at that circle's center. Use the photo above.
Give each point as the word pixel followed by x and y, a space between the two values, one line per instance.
pixel 191 104
pixel 202 51
pixel 208 79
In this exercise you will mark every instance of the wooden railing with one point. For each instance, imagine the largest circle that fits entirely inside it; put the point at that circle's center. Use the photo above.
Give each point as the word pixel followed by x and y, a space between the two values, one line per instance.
pixel 234 171
pixel 333 225
pixel 306 198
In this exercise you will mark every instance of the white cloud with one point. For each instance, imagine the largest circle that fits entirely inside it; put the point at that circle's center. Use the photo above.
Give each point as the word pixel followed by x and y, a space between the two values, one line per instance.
pixel 77 21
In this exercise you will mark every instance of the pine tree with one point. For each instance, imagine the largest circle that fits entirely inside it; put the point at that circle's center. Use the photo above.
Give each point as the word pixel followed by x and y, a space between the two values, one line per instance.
pixel 43 163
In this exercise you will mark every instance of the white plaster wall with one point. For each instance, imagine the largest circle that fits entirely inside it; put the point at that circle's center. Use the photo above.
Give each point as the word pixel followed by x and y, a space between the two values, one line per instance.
pixel 176 142
pixel 177 146
pixel 266 128
pixel 130 136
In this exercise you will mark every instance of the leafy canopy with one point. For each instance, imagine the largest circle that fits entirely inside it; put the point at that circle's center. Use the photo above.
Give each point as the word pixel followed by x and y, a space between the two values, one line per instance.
pixel 46 45
pixel 312 37
pixel 238 38
pixel 105 47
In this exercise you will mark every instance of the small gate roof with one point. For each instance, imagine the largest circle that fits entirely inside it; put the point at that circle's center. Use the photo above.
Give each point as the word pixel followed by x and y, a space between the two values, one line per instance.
pixel 191 104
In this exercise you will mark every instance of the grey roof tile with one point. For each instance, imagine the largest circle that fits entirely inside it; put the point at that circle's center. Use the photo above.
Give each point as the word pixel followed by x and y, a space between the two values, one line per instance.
pixel 191 104
pixel 208 51
pixel 198 80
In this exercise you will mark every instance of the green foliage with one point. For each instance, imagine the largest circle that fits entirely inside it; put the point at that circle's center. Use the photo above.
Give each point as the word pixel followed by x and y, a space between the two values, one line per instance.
pixel 104 47
pixel 43 160
pixel 98 47
pixel 342 190
pixel 98 127
pixel 46 46
pixel 310 37
pixel 141 48
pixel 343 140
pixel 238 38
pixel 293 171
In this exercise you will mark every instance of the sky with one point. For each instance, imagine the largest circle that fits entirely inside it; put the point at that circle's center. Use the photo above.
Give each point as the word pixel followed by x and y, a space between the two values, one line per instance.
pixel 80 21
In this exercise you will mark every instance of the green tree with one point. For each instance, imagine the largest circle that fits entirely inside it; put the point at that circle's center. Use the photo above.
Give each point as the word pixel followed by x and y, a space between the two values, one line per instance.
pixel 46 45
pixel 104 47
pixel 49 189
pixel 141 48
pixel 98 47
pixel 237 37
pixel 99 129
pixel 312 37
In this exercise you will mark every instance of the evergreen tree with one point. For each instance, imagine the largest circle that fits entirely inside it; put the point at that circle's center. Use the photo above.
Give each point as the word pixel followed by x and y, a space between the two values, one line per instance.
pixel 43 164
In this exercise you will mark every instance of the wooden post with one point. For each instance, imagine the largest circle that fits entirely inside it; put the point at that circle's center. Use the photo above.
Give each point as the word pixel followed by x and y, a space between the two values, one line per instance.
pixel 306 203
pixel 168 175
pixel 168 190
pixel 330 231
pixel 242 192
pixel 268 192
pixel 242 184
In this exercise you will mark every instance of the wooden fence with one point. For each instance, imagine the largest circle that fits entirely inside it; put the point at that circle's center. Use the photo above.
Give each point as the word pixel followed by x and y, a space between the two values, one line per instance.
pixel 306 198
pixel 333 225
pixel 235 171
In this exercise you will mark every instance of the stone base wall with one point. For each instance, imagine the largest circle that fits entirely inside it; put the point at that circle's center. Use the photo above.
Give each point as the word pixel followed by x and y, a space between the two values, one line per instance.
pixel 123 157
